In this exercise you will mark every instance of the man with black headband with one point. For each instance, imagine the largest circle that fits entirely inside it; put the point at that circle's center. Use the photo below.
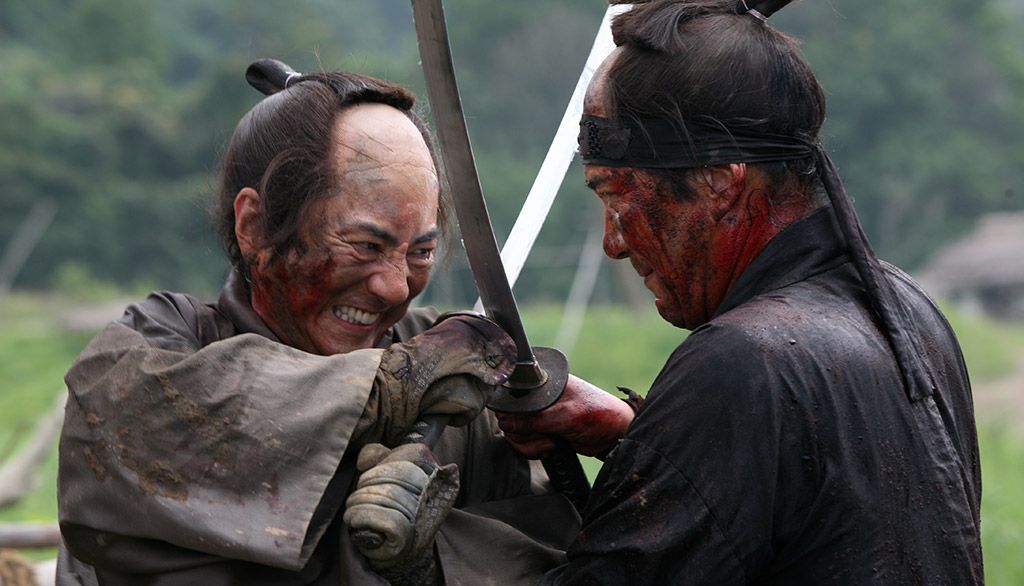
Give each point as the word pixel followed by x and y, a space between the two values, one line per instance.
pixel 817 424
pixel 242 442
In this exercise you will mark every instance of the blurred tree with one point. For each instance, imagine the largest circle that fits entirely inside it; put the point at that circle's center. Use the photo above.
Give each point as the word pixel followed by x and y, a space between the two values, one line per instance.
pixel 925 113
pixel 118 109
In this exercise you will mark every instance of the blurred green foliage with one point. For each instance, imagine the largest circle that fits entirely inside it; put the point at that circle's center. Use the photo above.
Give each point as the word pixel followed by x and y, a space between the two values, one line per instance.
pixel 1002 510
pixel 991 350
pixel 616 347
pixel 118 109
pixel 609 349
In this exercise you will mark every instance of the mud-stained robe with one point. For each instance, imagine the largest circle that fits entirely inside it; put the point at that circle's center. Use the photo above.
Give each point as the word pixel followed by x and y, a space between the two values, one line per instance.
pixel 198 449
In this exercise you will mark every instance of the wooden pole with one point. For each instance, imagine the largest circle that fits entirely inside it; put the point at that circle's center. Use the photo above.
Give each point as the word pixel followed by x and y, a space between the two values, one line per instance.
pixel 29 535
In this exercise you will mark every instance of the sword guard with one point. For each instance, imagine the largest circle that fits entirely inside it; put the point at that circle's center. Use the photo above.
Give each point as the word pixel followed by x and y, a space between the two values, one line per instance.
pixel 533 387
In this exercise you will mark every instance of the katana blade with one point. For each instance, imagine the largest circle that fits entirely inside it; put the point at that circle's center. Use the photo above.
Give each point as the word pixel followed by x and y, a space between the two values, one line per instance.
pixel 556 162
pixel 470 207
pixel 531 387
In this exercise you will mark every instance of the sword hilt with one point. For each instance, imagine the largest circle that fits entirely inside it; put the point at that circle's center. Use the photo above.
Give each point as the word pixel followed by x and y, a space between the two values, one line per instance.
pixel 426 431
pixel 533 386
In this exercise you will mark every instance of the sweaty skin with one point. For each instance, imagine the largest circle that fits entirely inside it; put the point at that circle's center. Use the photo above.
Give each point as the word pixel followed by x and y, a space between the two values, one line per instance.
pixel 365 252
pixel 689 249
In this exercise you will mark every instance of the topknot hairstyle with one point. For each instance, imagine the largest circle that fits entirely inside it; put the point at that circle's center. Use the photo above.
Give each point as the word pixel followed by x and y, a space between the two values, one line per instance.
pixel 282 147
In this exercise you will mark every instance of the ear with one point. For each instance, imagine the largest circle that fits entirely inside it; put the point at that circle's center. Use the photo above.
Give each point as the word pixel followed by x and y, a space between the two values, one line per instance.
pixel 248 221
pixel 726 184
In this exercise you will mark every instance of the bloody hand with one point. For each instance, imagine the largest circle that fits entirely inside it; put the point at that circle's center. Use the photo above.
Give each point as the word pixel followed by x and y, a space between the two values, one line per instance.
pixel 585 416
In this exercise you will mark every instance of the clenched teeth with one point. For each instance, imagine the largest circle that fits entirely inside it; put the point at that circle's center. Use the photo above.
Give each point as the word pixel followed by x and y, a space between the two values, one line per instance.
pixel 356 316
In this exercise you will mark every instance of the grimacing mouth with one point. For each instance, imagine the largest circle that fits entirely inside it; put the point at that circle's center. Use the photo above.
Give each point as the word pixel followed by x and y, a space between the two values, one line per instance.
pixel 354 315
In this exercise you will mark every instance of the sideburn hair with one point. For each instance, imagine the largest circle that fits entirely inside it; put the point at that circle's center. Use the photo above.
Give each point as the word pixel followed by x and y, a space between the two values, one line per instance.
pixel 283 149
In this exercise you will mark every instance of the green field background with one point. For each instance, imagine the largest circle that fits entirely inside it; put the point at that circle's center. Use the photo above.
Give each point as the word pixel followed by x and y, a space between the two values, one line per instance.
pixel 615 347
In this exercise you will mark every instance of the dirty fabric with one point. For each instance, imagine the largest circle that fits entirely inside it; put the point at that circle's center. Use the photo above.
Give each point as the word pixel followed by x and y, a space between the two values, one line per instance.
pixel 197 449
pixel 778 446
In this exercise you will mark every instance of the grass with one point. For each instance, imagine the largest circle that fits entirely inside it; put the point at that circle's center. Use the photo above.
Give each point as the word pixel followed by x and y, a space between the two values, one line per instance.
pixel 1002 508
pixel 991 349
pixel 34 353
pixel 616 346
pixel 608 351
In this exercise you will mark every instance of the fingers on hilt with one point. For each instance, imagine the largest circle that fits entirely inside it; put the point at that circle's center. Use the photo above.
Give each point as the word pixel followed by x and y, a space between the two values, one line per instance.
pixel 370 456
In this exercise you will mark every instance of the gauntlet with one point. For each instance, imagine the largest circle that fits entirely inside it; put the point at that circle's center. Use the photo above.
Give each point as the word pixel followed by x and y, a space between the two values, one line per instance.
pixel 400 501
pixel 451 369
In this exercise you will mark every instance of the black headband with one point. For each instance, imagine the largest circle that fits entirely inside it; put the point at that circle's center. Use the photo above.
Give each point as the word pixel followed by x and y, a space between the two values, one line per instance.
pixel 661 144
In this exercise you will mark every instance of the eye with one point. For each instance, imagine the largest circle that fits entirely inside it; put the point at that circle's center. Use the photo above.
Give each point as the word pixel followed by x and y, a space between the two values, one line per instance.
pixel 421 254
pixel 372 246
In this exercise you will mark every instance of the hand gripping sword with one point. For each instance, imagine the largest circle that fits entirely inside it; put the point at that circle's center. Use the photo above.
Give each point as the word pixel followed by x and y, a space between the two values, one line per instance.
pixel 541 373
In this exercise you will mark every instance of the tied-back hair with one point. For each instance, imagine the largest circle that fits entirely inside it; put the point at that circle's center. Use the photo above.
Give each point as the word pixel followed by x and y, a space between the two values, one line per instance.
pixel 719 62
pixel 283 148
pixel 685 60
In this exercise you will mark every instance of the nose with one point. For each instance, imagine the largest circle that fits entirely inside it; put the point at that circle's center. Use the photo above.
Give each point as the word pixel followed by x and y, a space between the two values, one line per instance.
pixel 390 283
pixel 614 244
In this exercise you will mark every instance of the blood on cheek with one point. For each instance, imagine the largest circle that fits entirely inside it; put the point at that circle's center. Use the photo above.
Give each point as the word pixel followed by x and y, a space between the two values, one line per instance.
pixel 292 288
pixel 738 239
pixel 655 227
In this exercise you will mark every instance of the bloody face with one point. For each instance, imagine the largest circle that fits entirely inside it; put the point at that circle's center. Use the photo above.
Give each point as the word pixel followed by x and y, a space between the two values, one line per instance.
pixel 365 251
pixel 667 240
pixel 688 251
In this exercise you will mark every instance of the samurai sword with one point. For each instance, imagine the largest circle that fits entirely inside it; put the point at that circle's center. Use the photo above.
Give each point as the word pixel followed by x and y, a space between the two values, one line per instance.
pixel 556 162
pixel 540 373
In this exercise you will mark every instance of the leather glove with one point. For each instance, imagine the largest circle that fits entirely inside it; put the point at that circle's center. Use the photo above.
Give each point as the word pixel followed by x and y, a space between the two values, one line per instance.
pixel 401 498
pixel 451 369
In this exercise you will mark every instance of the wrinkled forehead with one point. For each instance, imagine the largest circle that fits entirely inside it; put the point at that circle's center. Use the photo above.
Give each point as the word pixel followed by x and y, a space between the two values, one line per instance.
pixel 375 138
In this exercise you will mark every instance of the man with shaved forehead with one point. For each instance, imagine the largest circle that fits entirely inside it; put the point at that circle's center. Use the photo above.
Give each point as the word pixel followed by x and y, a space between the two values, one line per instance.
pixel 262 439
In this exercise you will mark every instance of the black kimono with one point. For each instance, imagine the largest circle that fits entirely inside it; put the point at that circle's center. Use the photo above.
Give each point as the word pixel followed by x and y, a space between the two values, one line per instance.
pixel 199 450
pixel 778 445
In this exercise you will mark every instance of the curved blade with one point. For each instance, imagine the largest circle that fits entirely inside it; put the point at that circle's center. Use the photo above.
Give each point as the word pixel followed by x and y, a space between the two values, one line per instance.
pixel 563 147
pixel 484 259
pixel 457 152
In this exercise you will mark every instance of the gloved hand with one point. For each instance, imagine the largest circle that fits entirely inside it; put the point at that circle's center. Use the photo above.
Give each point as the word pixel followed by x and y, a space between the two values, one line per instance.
pixel 450 369
pixel 401 499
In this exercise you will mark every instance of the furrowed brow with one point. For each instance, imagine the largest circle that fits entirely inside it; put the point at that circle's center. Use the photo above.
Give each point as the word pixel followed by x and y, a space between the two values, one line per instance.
pixel 427 236
pixel 388 238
